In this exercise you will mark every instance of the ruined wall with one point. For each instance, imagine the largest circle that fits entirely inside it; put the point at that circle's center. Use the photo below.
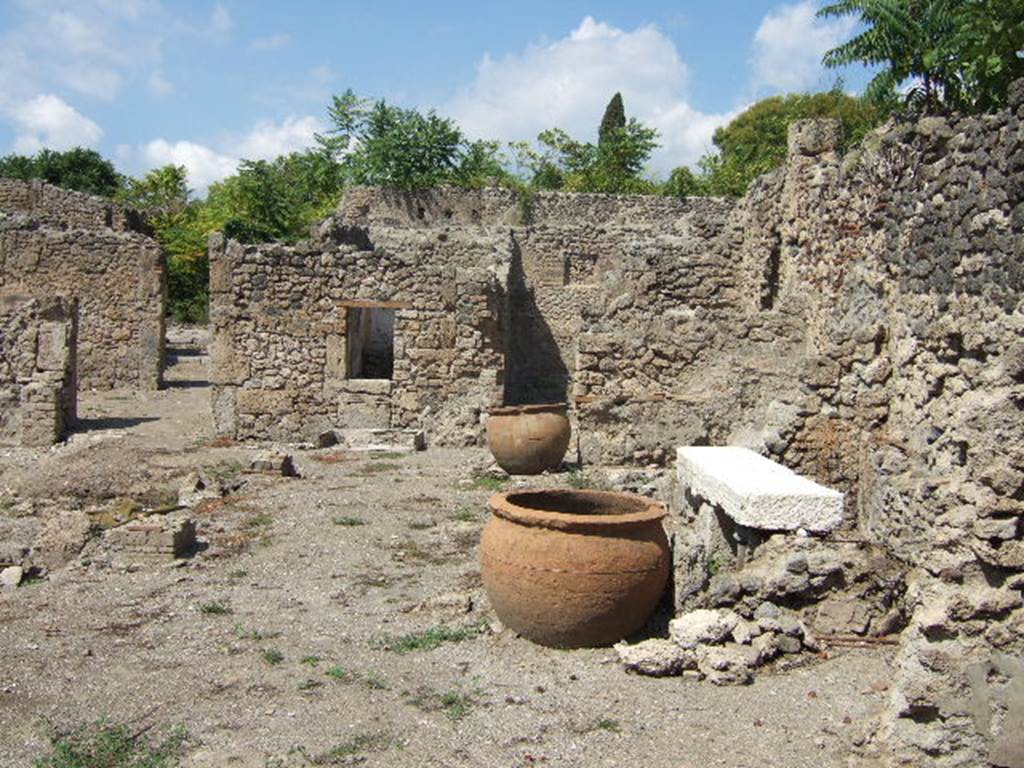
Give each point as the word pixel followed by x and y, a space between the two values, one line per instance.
pixel 119 281
pixel 56 241
pixel 906 261
pixel 66 208
pixel 37 369
pixel 280 315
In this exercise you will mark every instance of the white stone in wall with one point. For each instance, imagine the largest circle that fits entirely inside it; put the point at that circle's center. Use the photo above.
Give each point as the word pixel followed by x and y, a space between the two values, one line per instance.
pixel 757 492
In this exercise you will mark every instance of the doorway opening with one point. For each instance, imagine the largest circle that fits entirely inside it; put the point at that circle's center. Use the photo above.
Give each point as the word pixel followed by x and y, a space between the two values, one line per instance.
pixel 371 343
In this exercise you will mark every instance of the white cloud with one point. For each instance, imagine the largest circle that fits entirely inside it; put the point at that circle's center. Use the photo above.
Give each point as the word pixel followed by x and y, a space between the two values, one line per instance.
pixel 789 44
pixel 568 82
pixel 48 121
pixel 207 164
pixel 204 165
pixel 221 18
pixel 91 49
pixel 160 85
pixel 271 43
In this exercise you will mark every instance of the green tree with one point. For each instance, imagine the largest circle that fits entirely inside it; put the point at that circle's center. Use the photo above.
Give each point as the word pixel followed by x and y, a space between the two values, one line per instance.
pixel 614 119
pixel 614 165
pixel 384 145
pixel 162 191
pixel 958 54
pixel 83 170
pixel 755 141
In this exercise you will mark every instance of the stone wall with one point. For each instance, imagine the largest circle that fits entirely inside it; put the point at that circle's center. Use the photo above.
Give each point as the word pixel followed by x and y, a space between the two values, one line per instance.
pixel 37 369
pixel 56 241
pixel 68 209
pixel 859 319
pixel 280 321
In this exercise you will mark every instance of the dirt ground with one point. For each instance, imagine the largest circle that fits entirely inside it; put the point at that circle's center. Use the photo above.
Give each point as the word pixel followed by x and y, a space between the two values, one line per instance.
pixel 338 618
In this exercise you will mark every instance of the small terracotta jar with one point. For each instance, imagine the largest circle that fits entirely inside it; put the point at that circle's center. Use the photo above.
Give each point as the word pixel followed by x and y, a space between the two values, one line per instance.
pixel 528 439
pixel 573 568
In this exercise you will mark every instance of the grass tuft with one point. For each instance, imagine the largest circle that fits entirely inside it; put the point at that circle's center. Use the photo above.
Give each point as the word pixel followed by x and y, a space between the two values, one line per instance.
pixel 455 704
pixel 489 483
pixel 215 609
pixel 347 521
pixel 104 745
pixel 465 515
pixel 338 672
pixel 359 744
pixel 272 656
pixel 427 640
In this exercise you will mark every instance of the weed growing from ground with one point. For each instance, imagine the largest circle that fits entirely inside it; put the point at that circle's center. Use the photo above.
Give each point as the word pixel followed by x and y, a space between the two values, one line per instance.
pixel 455 704
pixel 337 672
pixel 356 745
pixel 427 640
pixel 489 483
pixel 465 515
pixel 607 724
pixel 412 551
pixel 421 525
pixel 311 660
pixel 215 608
pixel 347 521
pixel 309 684
pixel 104 745
pixel 255 634
pixel 259 520
pixel 238 574
pixel 272 656
pixel 374 680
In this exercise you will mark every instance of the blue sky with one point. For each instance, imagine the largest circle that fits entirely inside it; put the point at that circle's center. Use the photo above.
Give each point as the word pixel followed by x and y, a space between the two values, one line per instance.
pixel 205 83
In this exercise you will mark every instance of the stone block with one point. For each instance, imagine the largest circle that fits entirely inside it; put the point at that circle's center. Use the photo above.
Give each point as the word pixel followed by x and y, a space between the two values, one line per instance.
pixel 154 536
pixel 275 402
pixel 391 440
pixel 756 492
pixel 274 463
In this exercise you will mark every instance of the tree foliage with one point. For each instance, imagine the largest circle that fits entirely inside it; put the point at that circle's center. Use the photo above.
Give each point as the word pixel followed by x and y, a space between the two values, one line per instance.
pixel 755 141
pixel 83 170
pixel 614 165
pixel 614 119
pixel 384 145
pixel 956 54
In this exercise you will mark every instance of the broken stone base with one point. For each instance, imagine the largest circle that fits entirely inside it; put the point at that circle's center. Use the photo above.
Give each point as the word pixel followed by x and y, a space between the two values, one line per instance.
pixel 274 463
pixel 391 440
pixel 154 537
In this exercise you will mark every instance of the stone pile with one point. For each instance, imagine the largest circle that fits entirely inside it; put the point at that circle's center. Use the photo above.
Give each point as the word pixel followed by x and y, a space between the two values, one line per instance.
pixel 720 645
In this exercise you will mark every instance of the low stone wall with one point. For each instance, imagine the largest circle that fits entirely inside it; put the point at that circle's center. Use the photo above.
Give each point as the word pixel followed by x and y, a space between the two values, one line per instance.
pixel 37 369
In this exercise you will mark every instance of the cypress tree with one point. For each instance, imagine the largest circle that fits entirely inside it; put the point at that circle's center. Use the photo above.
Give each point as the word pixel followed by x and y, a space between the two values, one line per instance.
pixel 614 119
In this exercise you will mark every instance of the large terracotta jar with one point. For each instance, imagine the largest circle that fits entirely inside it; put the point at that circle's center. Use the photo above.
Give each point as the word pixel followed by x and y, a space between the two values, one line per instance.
pixel 527 439
pixel 573 568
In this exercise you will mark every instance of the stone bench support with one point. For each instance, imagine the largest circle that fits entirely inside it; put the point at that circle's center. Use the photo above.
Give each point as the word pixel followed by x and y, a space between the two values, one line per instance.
pixel 756 492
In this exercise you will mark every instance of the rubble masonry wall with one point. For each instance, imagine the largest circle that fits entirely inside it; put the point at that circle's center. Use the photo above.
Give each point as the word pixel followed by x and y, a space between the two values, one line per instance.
pixel 37 369
pixel 56 241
